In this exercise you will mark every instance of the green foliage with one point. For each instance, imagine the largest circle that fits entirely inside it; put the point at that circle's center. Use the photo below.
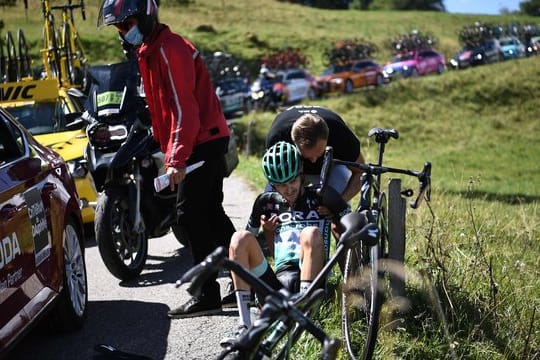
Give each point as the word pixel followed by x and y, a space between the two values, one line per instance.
pixel 479 257
pixel 530 7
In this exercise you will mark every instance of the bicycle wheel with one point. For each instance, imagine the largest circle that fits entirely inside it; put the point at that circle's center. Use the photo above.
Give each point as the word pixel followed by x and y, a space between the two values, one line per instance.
pixel 360 305
pixel 24 62
pixel 67 55
pixel 12 73
pixel 50 51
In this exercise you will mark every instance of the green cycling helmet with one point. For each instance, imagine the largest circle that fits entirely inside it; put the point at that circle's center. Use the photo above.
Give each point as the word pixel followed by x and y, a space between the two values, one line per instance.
pixel 281 163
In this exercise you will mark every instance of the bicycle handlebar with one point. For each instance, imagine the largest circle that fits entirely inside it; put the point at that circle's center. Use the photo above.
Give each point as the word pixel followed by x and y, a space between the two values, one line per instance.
pixel 277 303
pixel 424 176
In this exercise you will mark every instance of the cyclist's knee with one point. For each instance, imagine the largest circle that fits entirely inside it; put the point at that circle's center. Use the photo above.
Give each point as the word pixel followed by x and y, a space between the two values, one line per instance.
pixel 241 240
pixel 311 238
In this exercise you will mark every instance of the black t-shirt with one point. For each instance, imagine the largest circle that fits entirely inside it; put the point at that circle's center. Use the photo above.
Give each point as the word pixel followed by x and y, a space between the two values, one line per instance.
pixel 346 145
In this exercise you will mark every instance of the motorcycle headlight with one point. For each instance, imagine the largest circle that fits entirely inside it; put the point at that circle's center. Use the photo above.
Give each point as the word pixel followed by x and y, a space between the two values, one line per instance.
pixel 103 135
pixel 77 168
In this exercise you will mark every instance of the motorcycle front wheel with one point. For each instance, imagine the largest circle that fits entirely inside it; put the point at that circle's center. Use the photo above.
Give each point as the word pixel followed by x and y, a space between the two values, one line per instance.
pixel 122 249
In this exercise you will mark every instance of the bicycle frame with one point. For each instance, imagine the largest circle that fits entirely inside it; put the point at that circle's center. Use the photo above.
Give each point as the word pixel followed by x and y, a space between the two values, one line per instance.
pixel 62 54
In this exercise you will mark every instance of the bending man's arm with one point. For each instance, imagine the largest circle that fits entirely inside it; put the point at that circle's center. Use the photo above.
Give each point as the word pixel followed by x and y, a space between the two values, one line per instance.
pixel 354 184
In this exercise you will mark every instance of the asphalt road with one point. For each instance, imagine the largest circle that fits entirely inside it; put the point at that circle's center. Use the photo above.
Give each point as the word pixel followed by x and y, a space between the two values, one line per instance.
pixel 132 316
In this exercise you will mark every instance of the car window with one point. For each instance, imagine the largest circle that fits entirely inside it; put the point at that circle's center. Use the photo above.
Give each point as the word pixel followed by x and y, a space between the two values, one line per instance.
pixel 11 142
pixel 403 57
pixel 42 117
pixel 296 75
pixel 359 66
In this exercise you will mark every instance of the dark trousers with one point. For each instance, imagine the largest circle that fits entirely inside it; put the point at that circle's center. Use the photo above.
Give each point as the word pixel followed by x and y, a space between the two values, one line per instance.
pixel 205 221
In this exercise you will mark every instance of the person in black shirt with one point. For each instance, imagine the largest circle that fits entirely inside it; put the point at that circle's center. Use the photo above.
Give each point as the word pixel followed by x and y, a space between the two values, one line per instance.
pixel 311 129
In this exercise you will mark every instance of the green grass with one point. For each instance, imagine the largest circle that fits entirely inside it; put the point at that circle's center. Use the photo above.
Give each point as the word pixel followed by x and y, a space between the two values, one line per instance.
pixel 480 129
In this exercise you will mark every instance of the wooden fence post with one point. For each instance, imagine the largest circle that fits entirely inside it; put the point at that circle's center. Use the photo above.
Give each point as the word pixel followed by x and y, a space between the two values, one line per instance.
pixel 396 241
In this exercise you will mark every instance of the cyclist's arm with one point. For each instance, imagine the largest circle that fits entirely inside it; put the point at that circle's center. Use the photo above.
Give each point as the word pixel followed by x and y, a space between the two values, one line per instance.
pixel 353 187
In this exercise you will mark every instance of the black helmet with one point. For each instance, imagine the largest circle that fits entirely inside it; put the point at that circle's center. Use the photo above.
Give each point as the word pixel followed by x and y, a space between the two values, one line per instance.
pixel 113 12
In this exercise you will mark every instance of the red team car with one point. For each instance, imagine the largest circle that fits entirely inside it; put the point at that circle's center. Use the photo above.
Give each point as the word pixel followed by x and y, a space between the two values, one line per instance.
pixel 42 263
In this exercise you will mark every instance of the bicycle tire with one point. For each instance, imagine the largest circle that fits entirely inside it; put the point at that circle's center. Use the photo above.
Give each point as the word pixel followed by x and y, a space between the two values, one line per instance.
pixel 361 301
pixel 12 70
pixel 3 65
pixel 50 48
pixel 67 56
pixel 25 67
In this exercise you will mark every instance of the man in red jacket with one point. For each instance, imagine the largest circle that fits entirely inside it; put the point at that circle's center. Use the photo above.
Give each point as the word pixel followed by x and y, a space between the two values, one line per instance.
pixel 189 125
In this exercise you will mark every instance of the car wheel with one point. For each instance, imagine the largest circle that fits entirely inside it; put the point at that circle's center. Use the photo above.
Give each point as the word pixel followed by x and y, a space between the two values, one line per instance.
pixel 349 88
pixel 71 309
pixel 414 73
pixel 312 94
pixel 380 80
pixel 440 69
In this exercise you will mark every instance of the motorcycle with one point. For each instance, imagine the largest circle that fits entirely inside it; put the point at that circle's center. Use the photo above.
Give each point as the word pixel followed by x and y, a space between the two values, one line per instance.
pixel 266 94
pixel 124 160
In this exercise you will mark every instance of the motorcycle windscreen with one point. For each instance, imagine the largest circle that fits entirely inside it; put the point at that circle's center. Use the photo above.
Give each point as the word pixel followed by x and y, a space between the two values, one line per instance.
pixel 115 89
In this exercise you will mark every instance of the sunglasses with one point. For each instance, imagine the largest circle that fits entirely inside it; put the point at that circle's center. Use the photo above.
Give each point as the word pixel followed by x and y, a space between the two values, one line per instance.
pixel 126 25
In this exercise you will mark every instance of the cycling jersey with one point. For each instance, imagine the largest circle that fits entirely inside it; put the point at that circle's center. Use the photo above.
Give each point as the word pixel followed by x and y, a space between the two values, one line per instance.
pixel 346 145
pixel 291 223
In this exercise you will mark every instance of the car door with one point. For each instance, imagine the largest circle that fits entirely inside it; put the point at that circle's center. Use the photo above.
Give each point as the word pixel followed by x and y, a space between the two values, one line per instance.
pixel 426 60
pixel 370 73
pixel 297 85
pixel 358 74
pixel 25 239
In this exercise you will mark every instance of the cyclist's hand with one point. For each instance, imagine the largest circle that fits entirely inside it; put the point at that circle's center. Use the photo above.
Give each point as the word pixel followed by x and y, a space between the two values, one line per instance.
pixel 269 225
pixel 176 176
pixel 324 211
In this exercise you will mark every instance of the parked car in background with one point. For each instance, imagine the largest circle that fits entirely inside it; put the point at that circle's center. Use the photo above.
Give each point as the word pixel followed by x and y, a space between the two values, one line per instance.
pixel 295 85
pixel 355 74
pixel 533 46
pixel 512 48
pixel 489 51
pixel 42 263
pixel 415 63
pixel 234 95
pixel 49 113
pixel 463 58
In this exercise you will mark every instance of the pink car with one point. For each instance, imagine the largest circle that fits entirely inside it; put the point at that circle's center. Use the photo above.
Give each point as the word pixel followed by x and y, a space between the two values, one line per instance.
pixel 415 63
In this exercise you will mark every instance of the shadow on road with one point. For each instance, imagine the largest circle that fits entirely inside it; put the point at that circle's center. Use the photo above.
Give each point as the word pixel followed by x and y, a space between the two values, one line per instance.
pixel 162 269
pixel 132 326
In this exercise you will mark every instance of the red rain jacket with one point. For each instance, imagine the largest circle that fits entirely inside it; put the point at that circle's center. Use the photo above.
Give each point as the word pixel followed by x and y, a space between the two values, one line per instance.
pixel 182 101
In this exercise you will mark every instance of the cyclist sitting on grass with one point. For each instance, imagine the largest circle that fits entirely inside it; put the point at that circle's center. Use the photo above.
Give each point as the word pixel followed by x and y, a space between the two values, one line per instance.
pixel 293 227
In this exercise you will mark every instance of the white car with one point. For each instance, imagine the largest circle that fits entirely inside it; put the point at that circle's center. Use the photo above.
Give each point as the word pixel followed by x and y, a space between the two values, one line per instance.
pixel 296 85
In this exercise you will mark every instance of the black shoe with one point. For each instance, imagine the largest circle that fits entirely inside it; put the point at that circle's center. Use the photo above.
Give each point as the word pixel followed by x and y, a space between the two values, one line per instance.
pixel 231 339
pixel 229 300
pixel 197 306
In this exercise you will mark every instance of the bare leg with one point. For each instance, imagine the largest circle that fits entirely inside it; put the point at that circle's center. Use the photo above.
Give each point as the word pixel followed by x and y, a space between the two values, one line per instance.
pixel 245 250
pixel 311 253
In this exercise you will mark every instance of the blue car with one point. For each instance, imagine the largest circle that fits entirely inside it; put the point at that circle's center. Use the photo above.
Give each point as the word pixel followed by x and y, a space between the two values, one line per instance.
pixel 512 48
